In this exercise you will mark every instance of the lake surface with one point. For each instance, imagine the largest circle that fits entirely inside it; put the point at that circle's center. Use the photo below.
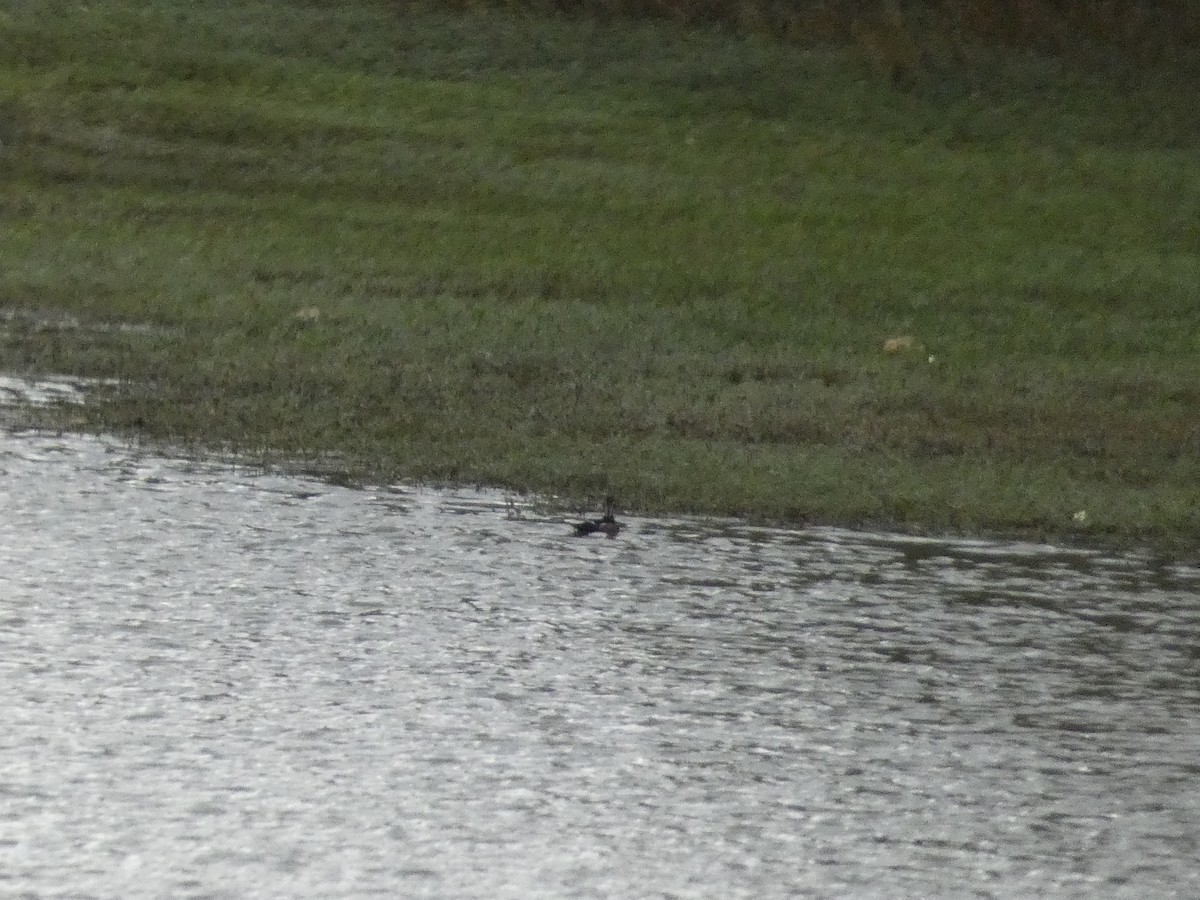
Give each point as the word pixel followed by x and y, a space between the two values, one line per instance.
pixel 222 682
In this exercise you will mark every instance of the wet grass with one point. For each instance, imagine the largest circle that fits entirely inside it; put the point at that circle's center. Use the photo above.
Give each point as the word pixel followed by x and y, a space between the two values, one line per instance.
pixel 585 257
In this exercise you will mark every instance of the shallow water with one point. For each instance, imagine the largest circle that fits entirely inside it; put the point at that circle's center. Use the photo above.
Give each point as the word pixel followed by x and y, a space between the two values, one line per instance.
pixel 221 682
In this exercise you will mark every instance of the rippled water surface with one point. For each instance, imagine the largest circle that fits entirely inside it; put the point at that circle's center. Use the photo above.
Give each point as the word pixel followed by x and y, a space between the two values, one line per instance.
pixel 223 683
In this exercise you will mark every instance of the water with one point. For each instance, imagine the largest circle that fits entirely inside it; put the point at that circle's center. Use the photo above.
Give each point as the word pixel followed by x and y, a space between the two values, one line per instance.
pixel 221 682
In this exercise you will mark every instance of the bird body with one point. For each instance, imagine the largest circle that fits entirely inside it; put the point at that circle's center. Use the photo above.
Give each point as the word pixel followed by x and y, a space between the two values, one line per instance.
pixel 606 524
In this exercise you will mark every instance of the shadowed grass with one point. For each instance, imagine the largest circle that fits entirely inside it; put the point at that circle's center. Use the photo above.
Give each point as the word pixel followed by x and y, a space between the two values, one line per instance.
pixel 577 256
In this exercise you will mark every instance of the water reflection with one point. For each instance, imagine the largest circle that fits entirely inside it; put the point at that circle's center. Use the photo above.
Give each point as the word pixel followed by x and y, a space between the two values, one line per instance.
pixel 225 682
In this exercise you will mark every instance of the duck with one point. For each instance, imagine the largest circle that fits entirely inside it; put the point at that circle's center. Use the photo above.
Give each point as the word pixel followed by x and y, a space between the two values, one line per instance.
pixel 606 524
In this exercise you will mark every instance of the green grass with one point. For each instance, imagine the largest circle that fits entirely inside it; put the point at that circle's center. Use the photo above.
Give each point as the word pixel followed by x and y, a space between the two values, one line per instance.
pixel 578 256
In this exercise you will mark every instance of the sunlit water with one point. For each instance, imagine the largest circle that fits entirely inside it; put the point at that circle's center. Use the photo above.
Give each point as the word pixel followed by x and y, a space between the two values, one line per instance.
pixel 220 682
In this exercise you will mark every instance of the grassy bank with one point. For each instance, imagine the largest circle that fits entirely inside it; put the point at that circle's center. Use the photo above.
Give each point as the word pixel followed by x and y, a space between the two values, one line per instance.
pixel 580 256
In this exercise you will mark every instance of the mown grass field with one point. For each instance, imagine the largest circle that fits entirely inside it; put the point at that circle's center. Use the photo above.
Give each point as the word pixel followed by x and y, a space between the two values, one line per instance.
pixel 579 256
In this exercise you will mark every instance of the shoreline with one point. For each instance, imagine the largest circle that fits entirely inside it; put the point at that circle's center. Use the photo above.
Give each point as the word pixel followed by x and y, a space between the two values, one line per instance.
pixel 76 416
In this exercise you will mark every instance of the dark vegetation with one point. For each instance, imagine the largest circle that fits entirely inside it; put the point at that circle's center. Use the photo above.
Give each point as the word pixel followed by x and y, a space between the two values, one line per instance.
pixel 910 39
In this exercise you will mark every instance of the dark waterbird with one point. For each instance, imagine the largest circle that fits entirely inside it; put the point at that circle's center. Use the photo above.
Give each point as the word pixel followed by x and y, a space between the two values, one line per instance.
pixel 606 524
